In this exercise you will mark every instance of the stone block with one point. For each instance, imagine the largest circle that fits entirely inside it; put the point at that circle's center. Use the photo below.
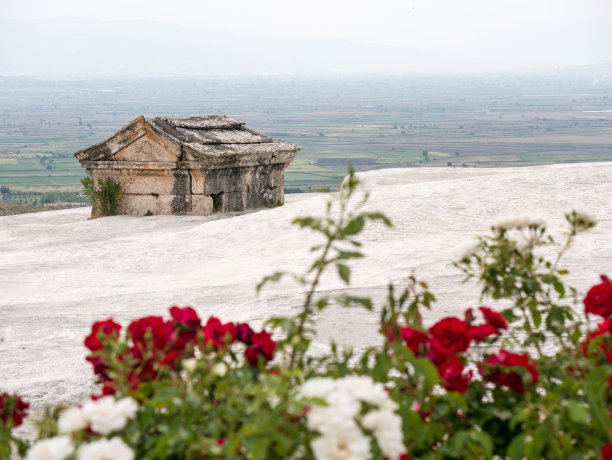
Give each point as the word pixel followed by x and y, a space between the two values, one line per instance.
pixel 182 182
pixel 201 205
pixel 137 205
pixel 198 179
pixel 147 183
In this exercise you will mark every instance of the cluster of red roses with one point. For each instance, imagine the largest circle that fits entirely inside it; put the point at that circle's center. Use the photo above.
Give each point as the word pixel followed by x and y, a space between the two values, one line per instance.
pixel 598 301
pixel 13 410
pixel 154 343
pixel 449 337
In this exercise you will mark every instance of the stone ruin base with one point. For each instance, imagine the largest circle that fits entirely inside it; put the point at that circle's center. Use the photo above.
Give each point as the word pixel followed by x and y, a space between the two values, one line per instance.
pixel 194 192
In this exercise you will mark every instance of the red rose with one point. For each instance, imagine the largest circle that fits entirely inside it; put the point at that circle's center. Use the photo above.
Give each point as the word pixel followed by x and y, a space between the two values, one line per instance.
pixel 186 323
pixel 13 410
pixel 102 330
pixel 169 359
pixel 217 333
pixel 599 298
pixel 107 389
pixel 452 375
pixel 493 318
pixel 244 333
pixel 482 331
pixel 100 366
pixel 151 330
pixel 605 327
pixel 450 336
pixel 186 317
pixel 509 379
pixel 152 339
pixel 414 339
pixel 263 345
pixel 606 452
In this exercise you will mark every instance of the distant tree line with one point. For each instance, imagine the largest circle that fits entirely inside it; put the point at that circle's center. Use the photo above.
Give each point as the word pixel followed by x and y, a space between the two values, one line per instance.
pixel 43 197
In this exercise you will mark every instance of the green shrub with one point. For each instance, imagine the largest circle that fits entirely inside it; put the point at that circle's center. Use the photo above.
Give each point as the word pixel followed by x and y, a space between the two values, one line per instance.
pixel 104 196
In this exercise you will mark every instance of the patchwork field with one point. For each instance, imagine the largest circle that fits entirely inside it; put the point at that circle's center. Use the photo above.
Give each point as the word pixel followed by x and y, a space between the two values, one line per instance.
pixel 370 123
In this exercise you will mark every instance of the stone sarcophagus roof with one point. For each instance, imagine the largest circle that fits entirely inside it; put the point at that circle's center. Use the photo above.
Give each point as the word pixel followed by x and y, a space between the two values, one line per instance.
pixel 195 165
pixel 216 140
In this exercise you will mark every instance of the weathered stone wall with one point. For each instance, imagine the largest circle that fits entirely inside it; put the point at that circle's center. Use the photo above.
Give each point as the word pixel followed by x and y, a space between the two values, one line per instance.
pixel 180 191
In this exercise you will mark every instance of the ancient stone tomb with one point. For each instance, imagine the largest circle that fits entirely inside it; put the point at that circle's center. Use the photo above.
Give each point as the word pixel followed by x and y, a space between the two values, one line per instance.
pixel 197 165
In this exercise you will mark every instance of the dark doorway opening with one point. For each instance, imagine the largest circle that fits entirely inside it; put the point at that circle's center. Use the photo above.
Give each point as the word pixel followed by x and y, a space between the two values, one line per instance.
pixel 217 201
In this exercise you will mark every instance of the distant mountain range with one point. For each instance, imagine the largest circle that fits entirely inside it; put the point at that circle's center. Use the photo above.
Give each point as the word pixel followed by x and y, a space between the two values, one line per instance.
pixel 76 47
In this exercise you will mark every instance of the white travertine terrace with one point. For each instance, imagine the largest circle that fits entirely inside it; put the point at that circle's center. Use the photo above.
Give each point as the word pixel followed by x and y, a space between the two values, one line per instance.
pixel 59 271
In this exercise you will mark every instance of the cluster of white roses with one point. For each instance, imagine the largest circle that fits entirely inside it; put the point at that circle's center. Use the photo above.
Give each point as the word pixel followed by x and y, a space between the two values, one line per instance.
pixel 103 416
pixel 339 419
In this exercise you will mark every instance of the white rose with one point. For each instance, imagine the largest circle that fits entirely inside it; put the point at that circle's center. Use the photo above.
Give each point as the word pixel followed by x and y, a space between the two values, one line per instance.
pixel 342 445
pixel 105 449
pixel 107 415
pixel 327 419
pixel 363 388
pixel 387 428
pixel 70 420
pixel 317 387
pixel 190 364
pixel 57 448
pixel 220 369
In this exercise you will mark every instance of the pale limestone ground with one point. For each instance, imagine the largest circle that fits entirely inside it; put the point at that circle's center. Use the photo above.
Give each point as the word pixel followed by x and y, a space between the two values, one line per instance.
pixel 59 272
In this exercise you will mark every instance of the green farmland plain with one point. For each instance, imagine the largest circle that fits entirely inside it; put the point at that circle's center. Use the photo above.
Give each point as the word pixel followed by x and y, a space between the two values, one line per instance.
pixel 370 123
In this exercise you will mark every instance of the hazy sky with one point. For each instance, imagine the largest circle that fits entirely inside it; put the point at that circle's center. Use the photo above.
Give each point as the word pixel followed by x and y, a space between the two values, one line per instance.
pixel 428 24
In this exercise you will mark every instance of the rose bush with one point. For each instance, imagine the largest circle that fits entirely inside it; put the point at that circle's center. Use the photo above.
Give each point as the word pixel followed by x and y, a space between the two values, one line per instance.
pixel 530 379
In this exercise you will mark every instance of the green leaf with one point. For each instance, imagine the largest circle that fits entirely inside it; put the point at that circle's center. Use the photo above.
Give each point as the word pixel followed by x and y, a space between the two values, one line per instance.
pixel 343 255
pixel 457 400
pixel 424 367
pixel 165 394
pixel 382 367
pixel 352 228
pixel 516 449
pixel 344 272
pixel 258 447
pixel 273 278
pixel 483 439
pixel 555 320
pixel 559 287
pixel 310 222
pixel 428 299
pixel 595 386
pixel 535 313
pixel 348 300
pixel 380 216
pixel 578 413
pixel 322 303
